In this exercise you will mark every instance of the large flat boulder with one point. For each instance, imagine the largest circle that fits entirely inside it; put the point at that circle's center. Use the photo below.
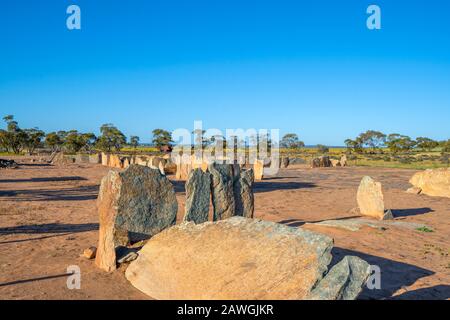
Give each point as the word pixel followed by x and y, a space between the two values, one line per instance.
pixel 433 182
pixel 133 205
pixel 241 259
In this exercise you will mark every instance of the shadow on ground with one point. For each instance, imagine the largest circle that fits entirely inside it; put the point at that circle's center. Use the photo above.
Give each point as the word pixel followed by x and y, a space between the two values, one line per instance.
pixel 394 276
pixel 48 179
pixel 68 194
pixel 410 212
pixel 49 228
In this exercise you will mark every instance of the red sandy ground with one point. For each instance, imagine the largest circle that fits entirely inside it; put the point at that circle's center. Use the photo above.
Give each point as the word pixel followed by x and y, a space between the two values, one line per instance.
pixel 48 217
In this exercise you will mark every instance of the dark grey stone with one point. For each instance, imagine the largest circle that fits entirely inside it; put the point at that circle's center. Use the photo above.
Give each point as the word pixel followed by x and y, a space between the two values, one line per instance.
pixel 343 282
pixel 222 191
pixel 147 203
pixel 243 194
pixel 198 196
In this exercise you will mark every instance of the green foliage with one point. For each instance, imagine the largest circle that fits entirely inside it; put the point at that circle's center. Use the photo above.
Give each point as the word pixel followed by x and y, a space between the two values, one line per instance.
pixel 372 139
pixel 110 138
pixel 134 141
pixel 397 143
pixel 291 141
pixel 322 149
pixel 426 143
pixel 445 146
pixel 162 138
pixel 424 229
pixel 32 139
pixel 76 142
pixel 54 141
pixel 15 139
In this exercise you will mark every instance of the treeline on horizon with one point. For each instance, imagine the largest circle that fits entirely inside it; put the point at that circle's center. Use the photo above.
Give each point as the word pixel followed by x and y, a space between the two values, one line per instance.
pixel 16 140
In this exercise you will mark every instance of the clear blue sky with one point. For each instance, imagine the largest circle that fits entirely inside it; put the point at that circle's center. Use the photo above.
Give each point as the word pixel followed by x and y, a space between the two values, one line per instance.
pixel 309 67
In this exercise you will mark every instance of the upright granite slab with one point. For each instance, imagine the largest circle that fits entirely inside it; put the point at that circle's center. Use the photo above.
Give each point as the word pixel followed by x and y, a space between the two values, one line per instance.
pixel 222 191
pixel 243 194
pixel 198 196
pixel 133 205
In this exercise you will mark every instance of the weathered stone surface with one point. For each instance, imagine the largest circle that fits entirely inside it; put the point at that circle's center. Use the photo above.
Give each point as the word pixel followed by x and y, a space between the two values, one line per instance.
pixel 414 190
pixel 198 196
pixel 343 161
pixel 95 158
pixel 344 281
pixel 356 224
pixel 115 161
pixel 126 162
pixel 321 162
pixel 258 169
pixel 433 182
pixel 90 253
pixel 243 194
pixel 222 191
pixel 370 198
pixel 82 158
pixel 133 205
pixel 62 159
pixel 335 163
pixel 285 162
pixel 105 159
pixel 239 259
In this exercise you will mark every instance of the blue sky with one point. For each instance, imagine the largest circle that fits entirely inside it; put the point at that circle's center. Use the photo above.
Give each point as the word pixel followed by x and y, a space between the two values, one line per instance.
pixel 309 67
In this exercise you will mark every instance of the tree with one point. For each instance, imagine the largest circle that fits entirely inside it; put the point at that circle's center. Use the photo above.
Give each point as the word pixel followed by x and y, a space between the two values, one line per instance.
pixel 291 141
pixel 322 149
pixel 110 138
pixel 32 139
pixel 13 138
pixel 426 143
pixel 162 138
pixel 372 139
pixel 354 145
pixel 54 141
pixel 397 143
pixel 134 141
pixel 445 145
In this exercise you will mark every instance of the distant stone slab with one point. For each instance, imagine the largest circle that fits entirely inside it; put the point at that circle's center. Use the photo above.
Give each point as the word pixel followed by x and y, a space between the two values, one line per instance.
pixel 356 224
pixel 433 182
pixel 198 196
pixel 222 191
pixel 243 259
pixel 133 205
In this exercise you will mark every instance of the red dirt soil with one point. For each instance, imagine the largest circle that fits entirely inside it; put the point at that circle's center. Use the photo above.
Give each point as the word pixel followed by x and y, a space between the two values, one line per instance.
pixel 48 217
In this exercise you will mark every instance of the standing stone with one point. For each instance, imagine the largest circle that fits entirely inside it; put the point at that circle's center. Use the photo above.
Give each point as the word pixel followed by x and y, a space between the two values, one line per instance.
pixel 133 205
pixel 115 161
pixel 105 159
pixel 343 161
pixel 285 162
pixel 370 198
pixel 222 191
pixel 126 162
pixel 335 163
pixel 258 169
pixel 243 194
pixel 198 196
pixel 95 158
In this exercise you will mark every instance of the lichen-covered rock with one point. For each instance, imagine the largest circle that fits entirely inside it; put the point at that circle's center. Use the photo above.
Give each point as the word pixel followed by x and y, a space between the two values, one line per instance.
pixel 198 196
pixel 344 281
pixel 241 259
pixel 321 162
pixel 133 205
pixel 433 182
pixel 285 162
pixel 95 158
pixel 414 190
pixel 105 159
pixel 370 198
pixel 222 191
pixel 243 194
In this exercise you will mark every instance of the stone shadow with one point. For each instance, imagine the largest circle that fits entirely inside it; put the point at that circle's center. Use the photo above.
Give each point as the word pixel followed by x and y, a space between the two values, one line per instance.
pixel 49 228
pixel 67 194
pixel 410 212
pixel 394 276
pixel 48 179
